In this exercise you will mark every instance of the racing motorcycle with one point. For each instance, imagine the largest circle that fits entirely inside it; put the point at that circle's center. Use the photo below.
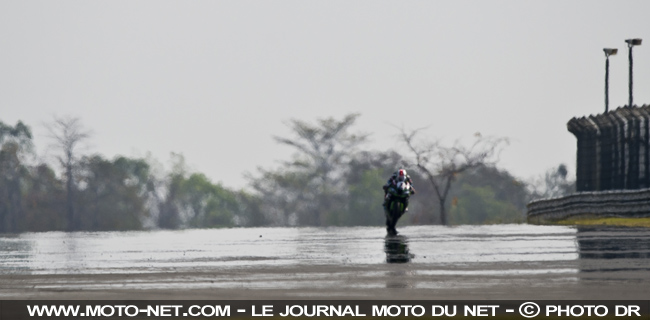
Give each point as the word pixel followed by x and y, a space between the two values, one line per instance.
pixel 396 205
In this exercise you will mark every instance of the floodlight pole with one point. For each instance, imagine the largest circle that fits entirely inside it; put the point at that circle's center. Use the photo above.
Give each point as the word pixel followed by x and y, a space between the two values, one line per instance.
pixel 629 104
pixel 607 80
pixel 630 44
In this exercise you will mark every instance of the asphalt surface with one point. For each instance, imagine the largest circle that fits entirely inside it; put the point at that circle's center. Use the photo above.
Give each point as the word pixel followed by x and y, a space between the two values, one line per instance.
pixel 423 263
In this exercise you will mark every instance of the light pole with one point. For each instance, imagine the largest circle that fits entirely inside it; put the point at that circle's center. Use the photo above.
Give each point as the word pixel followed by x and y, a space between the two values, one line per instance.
pixel 630 44
pixel 608 52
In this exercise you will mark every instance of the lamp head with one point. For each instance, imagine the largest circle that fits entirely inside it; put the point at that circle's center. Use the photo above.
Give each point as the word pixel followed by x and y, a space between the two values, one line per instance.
pixel 610 51
pixel 633 42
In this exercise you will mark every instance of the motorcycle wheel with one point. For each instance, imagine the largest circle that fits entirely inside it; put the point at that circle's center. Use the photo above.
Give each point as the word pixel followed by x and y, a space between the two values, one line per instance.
pixel 395 211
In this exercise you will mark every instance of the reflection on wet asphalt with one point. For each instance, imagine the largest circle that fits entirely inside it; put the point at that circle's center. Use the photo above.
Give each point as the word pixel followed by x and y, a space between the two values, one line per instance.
pixel 614 253
pixel 397 249
pixel 138 252
pixel 332 261
pixel 614 243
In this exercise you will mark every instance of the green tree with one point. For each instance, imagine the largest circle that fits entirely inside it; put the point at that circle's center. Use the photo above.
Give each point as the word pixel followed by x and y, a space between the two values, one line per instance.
pixel 15 142
pixel 169 215
pixel 45 200
pixel 281 196
pixel 506 187
pixel 206 204
pixel 366 198
pixel 310 189
pixel 192 200
pixel 114 193
pixel 368 172
pixel 479 205
pixel 487 194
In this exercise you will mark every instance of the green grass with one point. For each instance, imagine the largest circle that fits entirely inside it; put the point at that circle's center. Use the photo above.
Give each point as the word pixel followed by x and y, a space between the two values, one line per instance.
pixel 587 220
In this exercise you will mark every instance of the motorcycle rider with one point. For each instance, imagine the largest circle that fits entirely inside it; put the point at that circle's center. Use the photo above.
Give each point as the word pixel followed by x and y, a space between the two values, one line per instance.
pixel 398 176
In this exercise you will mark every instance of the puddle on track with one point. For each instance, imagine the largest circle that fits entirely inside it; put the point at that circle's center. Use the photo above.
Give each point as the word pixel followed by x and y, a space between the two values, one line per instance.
pixel 138 252
pixel 424 257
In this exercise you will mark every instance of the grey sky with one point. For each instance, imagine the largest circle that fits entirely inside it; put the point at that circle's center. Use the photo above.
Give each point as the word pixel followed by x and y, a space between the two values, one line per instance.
pixel 214 80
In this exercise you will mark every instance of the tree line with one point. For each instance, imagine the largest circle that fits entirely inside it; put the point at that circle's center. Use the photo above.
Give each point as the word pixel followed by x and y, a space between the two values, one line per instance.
pixel 331 180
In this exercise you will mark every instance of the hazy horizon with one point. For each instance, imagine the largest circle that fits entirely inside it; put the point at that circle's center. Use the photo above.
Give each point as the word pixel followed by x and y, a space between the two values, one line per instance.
pixel 216 80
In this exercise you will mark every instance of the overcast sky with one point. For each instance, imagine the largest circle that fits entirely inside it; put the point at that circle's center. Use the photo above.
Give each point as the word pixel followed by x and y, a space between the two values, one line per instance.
pixel 215 80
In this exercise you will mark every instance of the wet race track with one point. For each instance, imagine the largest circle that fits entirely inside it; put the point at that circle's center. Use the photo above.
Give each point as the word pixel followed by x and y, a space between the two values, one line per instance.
pixel 423 262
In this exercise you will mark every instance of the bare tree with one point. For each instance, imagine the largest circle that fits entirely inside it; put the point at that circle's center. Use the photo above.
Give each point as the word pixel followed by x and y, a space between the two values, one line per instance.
pixel 311 185
pixel 68 135
pixel 441 164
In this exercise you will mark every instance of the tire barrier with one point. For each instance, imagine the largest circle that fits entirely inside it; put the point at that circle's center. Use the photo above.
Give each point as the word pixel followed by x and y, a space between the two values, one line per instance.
pixel 611 203
pixel 613 149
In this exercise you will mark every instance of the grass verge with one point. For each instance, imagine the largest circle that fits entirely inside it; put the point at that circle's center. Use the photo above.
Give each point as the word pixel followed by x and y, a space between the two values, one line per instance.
pixel 604 221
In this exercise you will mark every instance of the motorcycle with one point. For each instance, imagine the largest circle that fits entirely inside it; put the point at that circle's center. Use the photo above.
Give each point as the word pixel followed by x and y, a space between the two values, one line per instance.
pixel 396 204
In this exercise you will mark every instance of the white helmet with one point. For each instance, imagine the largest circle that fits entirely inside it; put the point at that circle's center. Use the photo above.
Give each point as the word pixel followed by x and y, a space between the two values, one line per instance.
pixel 401 175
